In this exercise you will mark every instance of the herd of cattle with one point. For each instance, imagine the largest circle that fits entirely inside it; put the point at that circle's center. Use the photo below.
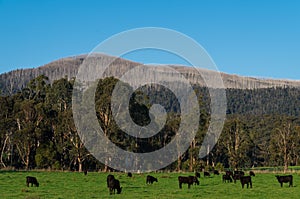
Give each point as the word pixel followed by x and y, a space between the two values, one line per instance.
pixel 114 185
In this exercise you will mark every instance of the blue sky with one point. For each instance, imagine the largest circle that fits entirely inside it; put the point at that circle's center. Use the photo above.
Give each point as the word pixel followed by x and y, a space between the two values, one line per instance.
pixel 250 38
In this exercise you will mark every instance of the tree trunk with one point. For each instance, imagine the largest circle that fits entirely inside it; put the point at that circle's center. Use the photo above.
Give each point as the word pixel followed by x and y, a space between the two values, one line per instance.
pixel 285 133
pixel 285 159
pixel 191 166
pixel 2 151
pixel 27 157
pixel 179 163
pixel 207 155
pixel 79 165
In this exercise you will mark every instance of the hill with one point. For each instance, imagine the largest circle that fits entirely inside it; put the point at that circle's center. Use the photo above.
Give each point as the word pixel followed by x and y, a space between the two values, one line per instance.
pixel 14 81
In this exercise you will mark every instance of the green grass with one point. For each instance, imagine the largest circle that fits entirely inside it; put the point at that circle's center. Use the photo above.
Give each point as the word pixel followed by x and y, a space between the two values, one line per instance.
pixel 277 169
pixel 76 185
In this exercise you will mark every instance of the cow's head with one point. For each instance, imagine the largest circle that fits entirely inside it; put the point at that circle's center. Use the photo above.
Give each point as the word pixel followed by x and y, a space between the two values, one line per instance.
pixel 119 190
pixel 196 180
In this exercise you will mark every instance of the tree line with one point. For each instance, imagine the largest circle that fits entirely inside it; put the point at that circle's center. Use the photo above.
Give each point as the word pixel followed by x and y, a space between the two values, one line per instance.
pixel 37 130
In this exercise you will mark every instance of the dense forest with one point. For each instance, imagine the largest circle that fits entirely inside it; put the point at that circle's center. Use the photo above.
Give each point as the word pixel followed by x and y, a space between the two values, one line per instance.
pixel 37 130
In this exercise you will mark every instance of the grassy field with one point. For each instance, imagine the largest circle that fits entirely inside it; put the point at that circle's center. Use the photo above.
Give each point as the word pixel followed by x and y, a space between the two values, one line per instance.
pixel 76 185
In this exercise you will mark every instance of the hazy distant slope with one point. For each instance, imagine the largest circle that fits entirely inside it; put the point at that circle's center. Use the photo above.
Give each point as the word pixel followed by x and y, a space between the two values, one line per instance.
pixel 14 81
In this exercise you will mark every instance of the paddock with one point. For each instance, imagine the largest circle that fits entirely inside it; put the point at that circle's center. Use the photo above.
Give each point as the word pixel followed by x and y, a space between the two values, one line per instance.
pixel 75 185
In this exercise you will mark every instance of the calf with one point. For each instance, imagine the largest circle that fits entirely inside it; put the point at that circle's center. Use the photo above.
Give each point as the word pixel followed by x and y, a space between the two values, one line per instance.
pixel 206 174
pixel 129 174
pixel 216 172
pixel 285 179
pixel 197 174
pixel 227 178
pixel 246 180
pixel 251 173
pixel 187 180
pixel 150 179
pixel 32 180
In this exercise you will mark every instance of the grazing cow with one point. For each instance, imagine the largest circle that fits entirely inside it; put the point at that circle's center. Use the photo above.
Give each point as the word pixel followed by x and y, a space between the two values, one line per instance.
pixel 129 174
pixel 237 177
pixel 246 180
pixel 229 173
pixel 206 174
pixel 227 178
pixel 32 180
pixel 216 172
pixel 187 180
pixel 150 179
pixel 197 174
pixel 285 179
pixel 113 185
pixel 195 180
pixel 251 173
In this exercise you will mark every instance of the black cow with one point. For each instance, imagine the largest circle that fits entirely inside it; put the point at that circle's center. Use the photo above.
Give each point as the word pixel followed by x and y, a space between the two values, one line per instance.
pixel 195 180
pixel 206 174
pixel 237 177
pixel 32 180
pixel 85 172
pixel 216 172
pixel 113 184
pixel 150 179
pixel 227 178
pixel 187 180
pixel 109 178
pixel 285 179
pixel 197 174
pixel 246 180
pixel 229 173
pixel 251 173
pixel 129 174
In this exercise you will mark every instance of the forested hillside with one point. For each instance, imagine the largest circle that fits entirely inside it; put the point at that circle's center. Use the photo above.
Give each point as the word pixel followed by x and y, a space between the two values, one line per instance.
pixel 37 128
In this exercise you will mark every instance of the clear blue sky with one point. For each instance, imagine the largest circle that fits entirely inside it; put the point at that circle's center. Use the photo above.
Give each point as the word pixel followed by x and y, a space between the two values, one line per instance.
pixel 253 38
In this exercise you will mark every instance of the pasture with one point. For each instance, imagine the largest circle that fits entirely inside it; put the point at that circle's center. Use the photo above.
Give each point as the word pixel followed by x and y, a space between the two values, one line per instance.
pixel 93 185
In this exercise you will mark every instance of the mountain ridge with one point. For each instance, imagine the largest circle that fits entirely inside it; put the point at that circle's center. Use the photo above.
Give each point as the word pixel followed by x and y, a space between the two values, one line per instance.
pixel 13 81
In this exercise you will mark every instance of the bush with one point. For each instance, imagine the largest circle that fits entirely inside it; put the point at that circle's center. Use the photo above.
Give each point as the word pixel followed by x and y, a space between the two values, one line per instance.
pixel 56 165
pixel 208 168
pixel 219 166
